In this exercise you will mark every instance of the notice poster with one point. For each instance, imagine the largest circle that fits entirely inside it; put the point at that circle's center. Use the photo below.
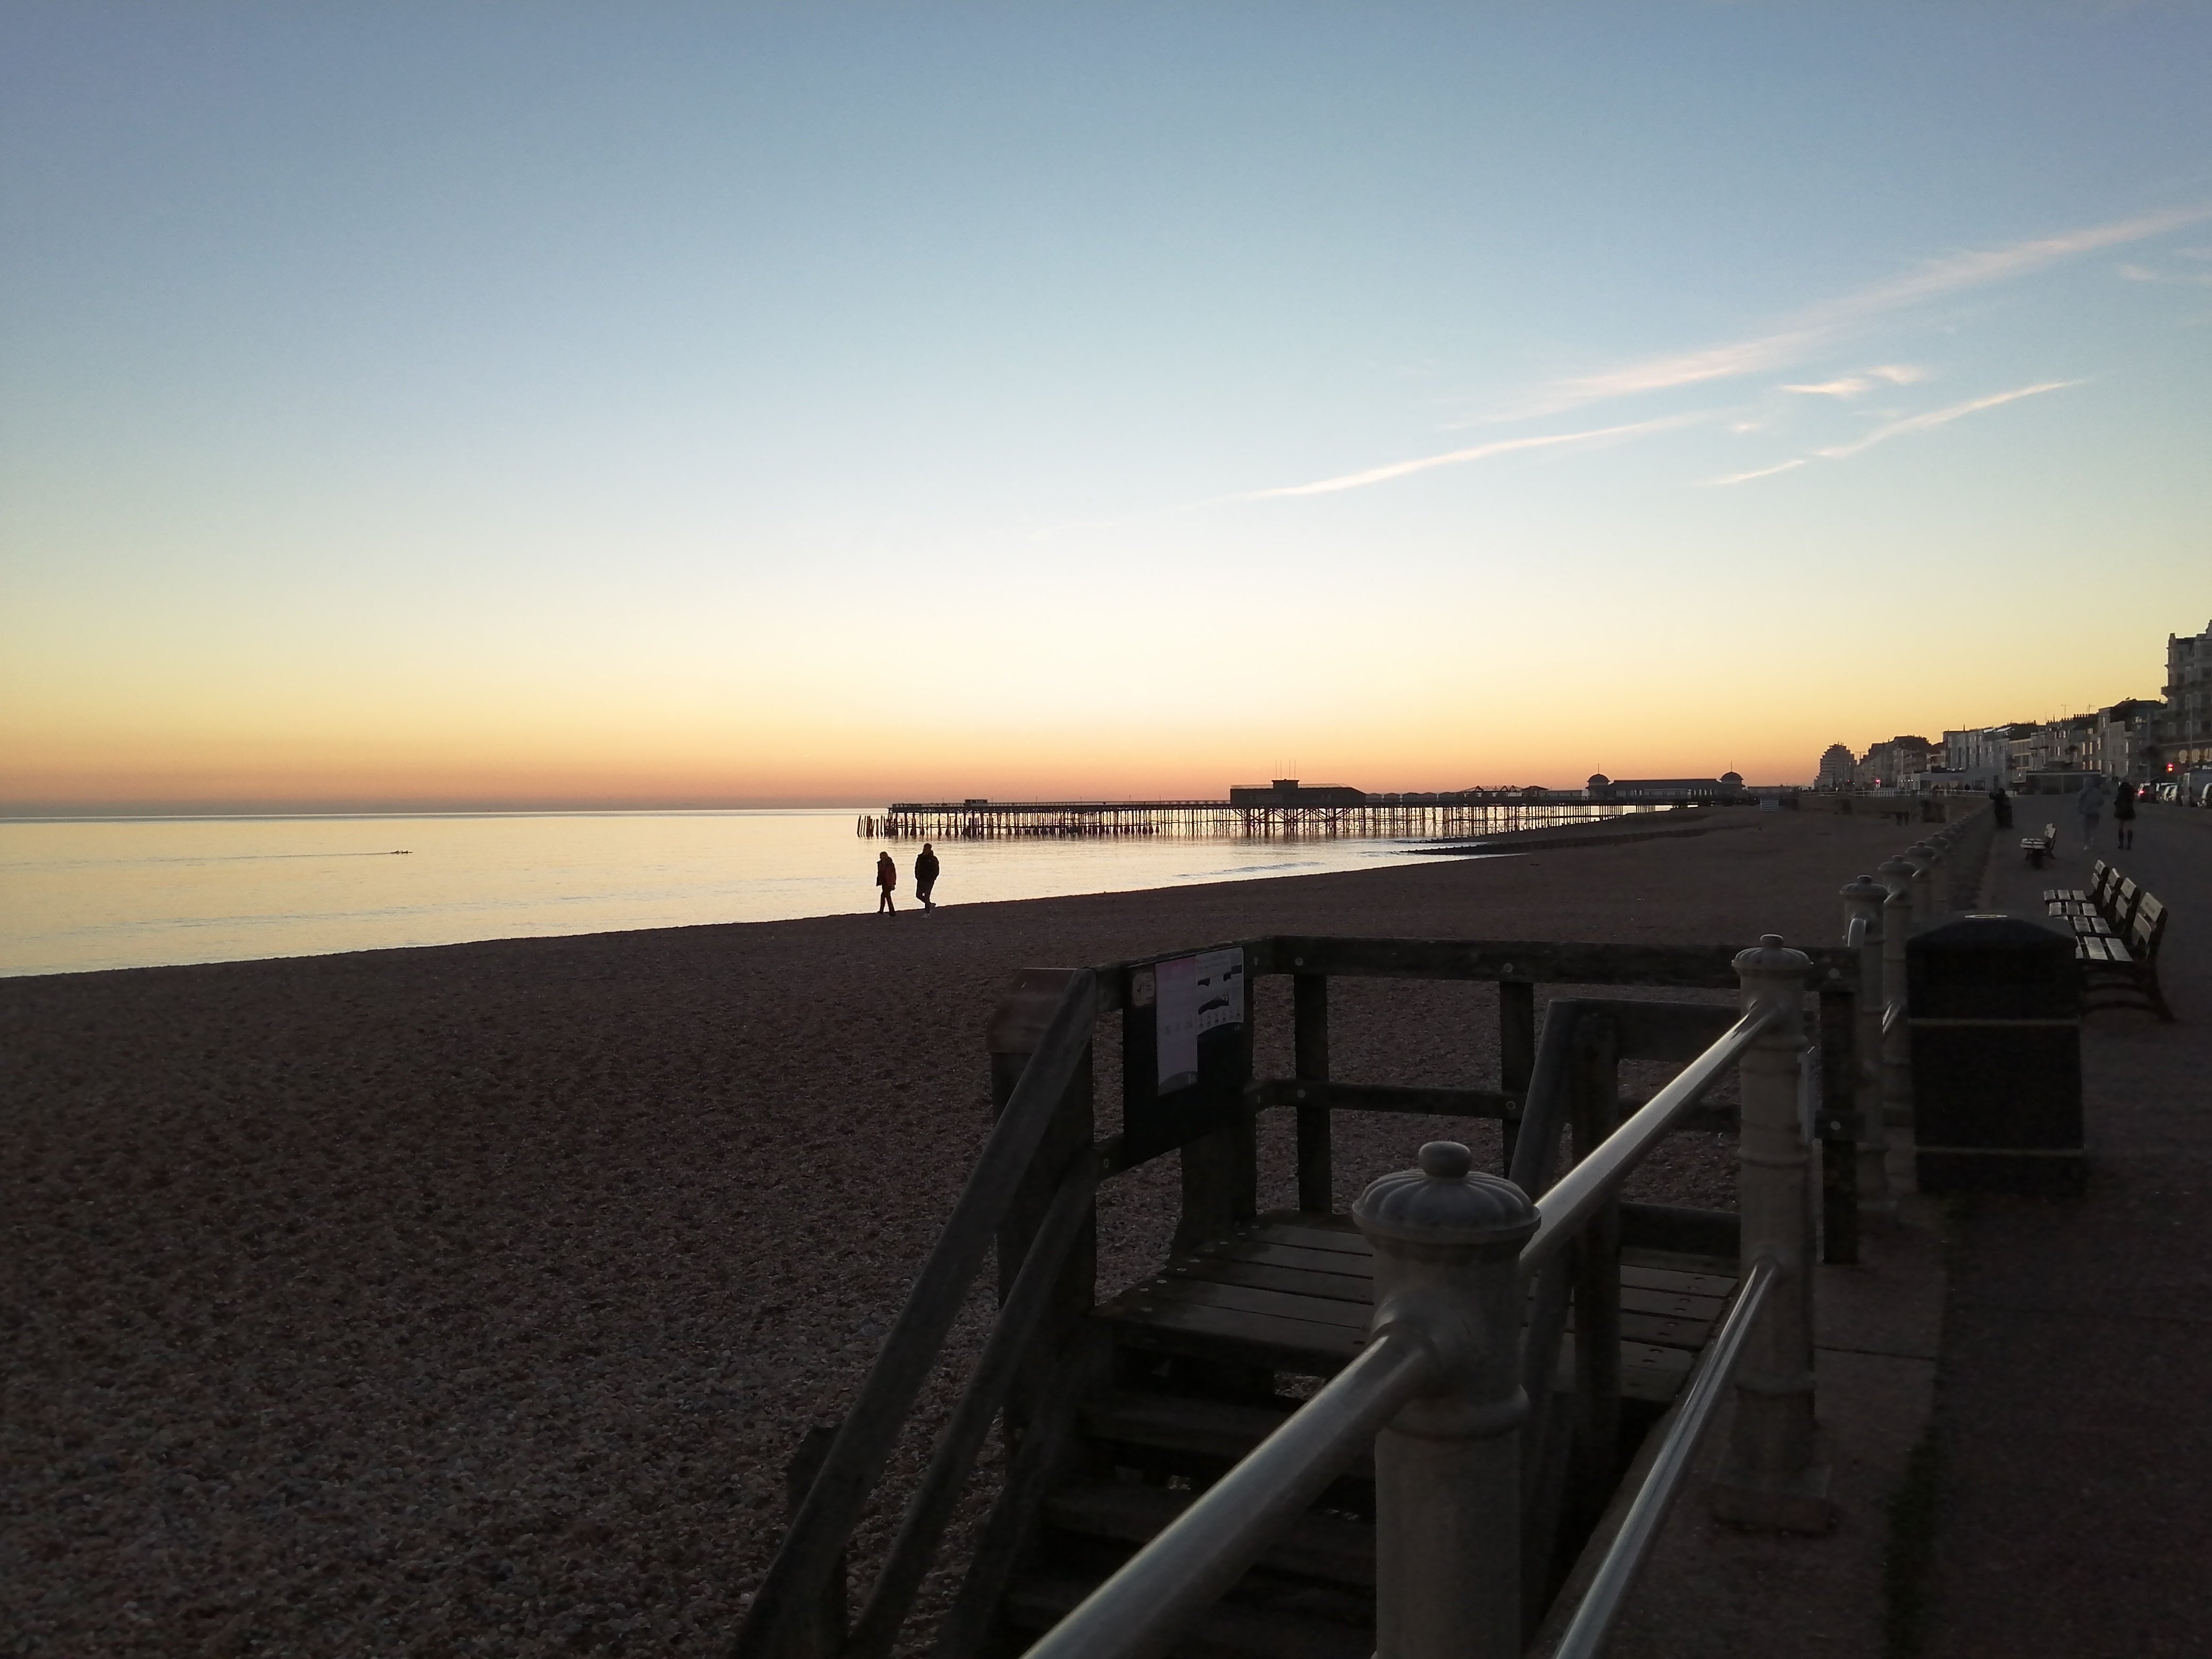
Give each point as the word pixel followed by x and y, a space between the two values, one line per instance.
pixel 1174 1007
pixel 1193 1007
pixel 1196 994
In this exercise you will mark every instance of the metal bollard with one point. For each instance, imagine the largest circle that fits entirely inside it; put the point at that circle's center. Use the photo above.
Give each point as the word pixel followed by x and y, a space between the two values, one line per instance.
pixel 1447 1244
pixel 1896 1041
pixel 1770 1478
pixel 1862 901
pixel 1923 859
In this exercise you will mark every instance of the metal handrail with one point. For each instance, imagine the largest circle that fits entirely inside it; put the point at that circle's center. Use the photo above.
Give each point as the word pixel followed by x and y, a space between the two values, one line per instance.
pixel 1616 1574
pixel 1590 1185
pixel 1139 1612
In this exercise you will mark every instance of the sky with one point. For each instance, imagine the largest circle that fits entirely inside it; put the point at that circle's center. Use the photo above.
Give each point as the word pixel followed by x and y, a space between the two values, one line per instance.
pixel 491 403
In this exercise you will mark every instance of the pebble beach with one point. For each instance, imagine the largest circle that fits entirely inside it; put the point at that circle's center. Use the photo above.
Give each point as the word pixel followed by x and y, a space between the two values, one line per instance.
pixel 468 1300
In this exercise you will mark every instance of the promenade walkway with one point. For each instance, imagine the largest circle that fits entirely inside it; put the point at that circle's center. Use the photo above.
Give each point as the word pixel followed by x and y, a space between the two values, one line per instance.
pixel 2072 1415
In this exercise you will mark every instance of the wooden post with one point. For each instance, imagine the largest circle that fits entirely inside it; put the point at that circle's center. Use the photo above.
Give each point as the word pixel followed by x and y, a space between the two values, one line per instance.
pixel 1770 1478
pixel 821 1633
pixel 1594 1113
pixel 1309 1052
pixel 1221 1169
pixel 1016 1026
pixel 1516 1052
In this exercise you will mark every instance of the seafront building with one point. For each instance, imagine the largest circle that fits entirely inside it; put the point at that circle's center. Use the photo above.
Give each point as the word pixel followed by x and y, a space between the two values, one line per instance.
pixel 2183 726
pixel 2146 740
pixel 1893 764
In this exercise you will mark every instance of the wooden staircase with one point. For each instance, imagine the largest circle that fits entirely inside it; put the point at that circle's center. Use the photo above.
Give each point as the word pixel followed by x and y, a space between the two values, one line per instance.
pixel 1210 1356
pixel 1115 1414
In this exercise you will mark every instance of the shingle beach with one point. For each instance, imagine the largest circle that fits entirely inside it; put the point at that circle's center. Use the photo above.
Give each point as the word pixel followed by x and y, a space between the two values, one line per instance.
pixel 468 1300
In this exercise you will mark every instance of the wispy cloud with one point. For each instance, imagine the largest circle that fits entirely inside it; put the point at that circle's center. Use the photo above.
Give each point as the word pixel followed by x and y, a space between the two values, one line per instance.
pixel 1394 470
pixel 1851 385
pixel 2135 273
pixel 1857 386
pixel 1376 474
pixel 1820 325
pixel 1746 478
pixel 1936 417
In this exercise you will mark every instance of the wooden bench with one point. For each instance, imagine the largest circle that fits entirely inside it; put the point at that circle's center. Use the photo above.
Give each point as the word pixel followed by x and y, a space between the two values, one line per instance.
pixel 2106 916
pixel 2039 848
pixel 2100 875
pixel 2122 972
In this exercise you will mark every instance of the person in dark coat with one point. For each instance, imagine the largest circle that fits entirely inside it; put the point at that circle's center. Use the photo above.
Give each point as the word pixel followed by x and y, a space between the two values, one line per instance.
pixel 2001 806
pixel 887 878
pixel 924 876
pixel 2124 813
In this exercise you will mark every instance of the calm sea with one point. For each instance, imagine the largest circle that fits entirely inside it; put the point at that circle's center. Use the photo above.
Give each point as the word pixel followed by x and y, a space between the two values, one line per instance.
pixel 135 892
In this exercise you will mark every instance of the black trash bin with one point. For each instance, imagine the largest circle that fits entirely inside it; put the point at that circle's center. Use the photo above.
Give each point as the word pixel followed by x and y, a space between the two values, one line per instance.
pixel 1996 1005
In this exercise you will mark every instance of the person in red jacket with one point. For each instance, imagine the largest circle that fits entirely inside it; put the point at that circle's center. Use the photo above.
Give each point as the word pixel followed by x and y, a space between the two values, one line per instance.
pixel 887 878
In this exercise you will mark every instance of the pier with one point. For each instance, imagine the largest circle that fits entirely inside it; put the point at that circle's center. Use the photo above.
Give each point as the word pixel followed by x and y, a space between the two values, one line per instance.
pixel 1283 809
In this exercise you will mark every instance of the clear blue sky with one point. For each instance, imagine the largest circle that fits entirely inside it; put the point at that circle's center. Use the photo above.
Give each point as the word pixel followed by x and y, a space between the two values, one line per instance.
pixel 652 402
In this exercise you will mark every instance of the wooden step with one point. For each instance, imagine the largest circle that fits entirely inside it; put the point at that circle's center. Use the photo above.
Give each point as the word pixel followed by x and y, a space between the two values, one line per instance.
pixel 1202 1437
pixel 1326 1546
pixel 1227 1631
pixel 1294 1293
pixel 1666 1317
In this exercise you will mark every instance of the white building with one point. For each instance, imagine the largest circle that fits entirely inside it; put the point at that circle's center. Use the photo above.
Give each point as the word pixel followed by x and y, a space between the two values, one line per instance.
pixel 1978 757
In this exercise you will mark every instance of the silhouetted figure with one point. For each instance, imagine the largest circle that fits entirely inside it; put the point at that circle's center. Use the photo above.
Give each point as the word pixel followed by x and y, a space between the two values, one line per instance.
pixel 2001 806
pixel 2090 805
pixel 887 878
pixel 2123 814
pixel 924 876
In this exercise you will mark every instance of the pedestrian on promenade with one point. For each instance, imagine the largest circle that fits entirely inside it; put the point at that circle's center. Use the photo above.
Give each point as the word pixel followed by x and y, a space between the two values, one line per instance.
pixel 2123 814
pixel 2090 804
pixel 2001 806
pixel 924 876
pixel 887 878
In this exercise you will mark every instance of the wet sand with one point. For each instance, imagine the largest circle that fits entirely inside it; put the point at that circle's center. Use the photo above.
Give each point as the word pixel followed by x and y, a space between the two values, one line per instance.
pixel 470 1300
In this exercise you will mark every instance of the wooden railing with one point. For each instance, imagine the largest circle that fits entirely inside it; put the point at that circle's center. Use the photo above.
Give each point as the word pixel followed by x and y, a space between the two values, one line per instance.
pixel 1032 1195
pixel 1446 1374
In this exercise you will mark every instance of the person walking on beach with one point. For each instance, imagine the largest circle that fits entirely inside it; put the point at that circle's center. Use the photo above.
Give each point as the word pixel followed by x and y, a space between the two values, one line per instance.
pixel 2090 804
pixel 2001 806
pixel 2123 814
pixel 887 878
pixel 924 876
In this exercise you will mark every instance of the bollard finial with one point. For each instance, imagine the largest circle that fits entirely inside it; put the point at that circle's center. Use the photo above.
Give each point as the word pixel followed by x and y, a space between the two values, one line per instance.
pixel 1771 956
pixel 1445 1201
pixel 1446 1160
